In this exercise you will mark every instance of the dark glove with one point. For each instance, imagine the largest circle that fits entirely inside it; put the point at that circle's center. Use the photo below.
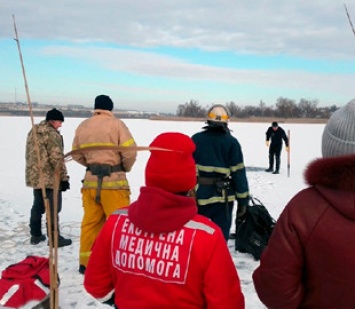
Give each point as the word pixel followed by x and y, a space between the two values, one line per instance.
pixel 241 211
pixel 64 185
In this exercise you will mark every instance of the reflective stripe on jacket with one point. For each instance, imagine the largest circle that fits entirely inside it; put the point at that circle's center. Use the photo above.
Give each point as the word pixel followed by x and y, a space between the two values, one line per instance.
pixel 103 129
pixel 180 254
pixel 219 155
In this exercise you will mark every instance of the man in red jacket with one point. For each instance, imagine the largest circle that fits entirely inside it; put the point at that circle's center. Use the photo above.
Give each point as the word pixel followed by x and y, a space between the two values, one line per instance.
pixel 160 253
pixel 310 259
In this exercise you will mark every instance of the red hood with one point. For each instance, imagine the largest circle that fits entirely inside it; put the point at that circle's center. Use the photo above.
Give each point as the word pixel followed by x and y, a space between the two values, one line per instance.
pixel 159 211
pixel 334 178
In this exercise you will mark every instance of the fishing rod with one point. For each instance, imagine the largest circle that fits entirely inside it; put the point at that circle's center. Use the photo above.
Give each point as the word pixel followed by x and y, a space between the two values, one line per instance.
pixel 53 246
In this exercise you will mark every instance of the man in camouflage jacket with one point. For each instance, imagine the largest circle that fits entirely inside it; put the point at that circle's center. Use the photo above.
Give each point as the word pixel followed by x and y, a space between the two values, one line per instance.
pixel 51 151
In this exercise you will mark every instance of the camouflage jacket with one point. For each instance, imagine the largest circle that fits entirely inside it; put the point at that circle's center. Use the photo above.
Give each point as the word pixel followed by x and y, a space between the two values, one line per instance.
pixel 51 152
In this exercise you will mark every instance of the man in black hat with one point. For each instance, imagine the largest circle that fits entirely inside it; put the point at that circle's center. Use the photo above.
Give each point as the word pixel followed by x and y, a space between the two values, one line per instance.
pixel 105 185
pixel 48 143
pixel 276 134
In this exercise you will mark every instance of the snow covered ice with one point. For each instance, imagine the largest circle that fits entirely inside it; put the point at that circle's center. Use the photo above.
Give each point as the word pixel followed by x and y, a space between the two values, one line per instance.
pixel 16 199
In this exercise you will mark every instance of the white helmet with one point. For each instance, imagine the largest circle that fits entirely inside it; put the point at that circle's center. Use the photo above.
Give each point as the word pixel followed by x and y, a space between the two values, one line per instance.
pixel 218 113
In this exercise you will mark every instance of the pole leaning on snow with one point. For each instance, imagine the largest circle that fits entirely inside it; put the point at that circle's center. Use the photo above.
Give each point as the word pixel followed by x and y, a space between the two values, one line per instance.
pixel 288 153
pixel 53 246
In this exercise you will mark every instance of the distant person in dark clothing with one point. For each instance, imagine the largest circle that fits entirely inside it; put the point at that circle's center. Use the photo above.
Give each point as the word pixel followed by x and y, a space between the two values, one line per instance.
pixel 221 171
pixel 276 134
pixel 309 261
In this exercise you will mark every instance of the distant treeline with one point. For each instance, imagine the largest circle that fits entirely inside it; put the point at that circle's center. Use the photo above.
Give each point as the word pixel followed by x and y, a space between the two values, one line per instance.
pixel 283 108
pixel 69 113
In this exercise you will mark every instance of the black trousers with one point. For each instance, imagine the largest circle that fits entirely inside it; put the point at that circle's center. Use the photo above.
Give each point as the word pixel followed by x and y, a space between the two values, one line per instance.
pixel 38 209
pixel 274 153
pixel 220 214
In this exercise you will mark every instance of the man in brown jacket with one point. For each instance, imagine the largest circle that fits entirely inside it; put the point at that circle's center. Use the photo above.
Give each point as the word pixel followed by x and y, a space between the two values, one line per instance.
pixel 105 186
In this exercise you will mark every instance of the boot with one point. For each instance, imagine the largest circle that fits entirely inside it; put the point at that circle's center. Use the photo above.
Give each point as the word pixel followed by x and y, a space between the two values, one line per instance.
pixel 269 169
pixel 35 240
pixel 276 172
pixel 62 242
pixel 82 269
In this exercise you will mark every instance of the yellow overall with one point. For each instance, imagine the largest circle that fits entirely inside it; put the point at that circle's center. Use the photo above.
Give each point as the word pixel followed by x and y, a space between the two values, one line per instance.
pixel 95 215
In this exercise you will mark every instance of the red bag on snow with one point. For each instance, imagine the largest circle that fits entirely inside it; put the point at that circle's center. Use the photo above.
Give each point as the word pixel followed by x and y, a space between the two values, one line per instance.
pixel 25 281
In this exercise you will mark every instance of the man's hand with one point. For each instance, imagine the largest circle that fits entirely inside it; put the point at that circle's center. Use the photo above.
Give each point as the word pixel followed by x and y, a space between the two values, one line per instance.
pixel 241 211
pixel 287 148
pixel 267 143
pixel 64 185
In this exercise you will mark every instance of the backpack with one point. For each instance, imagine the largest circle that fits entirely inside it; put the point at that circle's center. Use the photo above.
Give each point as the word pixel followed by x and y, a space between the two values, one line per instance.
pixel 254 229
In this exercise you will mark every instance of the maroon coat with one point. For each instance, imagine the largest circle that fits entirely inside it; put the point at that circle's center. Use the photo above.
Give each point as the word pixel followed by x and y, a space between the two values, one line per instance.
pixel 310 259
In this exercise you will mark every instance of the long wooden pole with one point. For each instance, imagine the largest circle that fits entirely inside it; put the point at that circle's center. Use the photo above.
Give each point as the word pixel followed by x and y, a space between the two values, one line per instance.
pixel 349 19
pixel 52 248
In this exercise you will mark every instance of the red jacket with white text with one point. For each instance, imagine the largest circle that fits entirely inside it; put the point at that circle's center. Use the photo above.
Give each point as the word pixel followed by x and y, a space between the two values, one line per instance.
pixel 163 255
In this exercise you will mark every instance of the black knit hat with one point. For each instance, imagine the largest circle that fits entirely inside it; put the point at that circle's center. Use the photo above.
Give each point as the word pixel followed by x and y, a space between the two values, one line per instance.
pixel 275 124
pixel 54 114
pixel 103 102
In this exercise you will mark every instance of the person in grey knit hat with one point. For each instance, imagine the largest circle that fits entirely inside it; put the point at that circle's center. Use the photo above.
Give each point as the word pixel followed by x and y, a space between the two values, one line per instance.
pixel 310 258
pixel 339 133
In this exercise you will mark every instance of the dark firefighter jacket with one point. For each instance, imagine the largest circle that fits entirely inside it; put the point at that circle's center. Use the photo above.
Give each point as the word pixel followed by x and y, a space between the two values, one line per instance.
pixel 218 155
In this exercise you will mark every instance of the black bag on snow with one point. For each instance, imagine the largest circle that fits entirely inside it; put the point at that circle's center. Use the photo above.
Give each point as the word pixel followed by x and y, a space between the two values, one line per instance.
pixel 254 230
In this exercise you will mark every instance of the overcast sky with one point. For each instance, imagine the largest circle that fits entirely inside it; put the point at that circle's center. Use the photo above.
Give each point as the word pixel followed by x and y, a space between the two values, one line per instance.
pixel 154 55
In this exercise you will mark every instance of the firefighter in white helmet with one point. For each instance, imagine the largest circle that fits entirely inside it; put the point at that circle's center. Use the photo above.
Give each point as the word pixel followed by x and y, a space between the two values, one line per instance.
pixel 221 171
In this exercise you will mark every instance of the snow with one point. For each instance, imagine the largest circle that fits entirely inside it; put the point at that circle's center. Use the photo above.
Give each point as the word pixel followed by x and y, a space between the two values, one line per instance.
pixel 16 199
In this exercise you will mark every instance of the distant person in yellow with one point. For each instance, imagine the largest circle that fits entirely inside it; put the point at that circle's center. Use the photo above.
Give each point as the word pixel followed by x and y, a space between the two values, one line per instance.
pixel 105 186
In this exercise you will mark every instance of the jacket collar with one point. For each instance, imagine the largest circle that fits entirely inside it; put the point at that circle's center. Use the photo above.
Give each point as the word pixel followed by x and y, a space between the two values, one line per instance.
pixel 160 211
pixel 103 112
pixel 336 173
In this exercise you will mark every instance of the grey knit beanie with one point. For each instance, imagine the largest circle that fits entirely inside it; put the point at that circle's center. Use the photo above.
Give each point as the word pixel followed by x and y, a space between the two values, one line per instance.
pixel 339 133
